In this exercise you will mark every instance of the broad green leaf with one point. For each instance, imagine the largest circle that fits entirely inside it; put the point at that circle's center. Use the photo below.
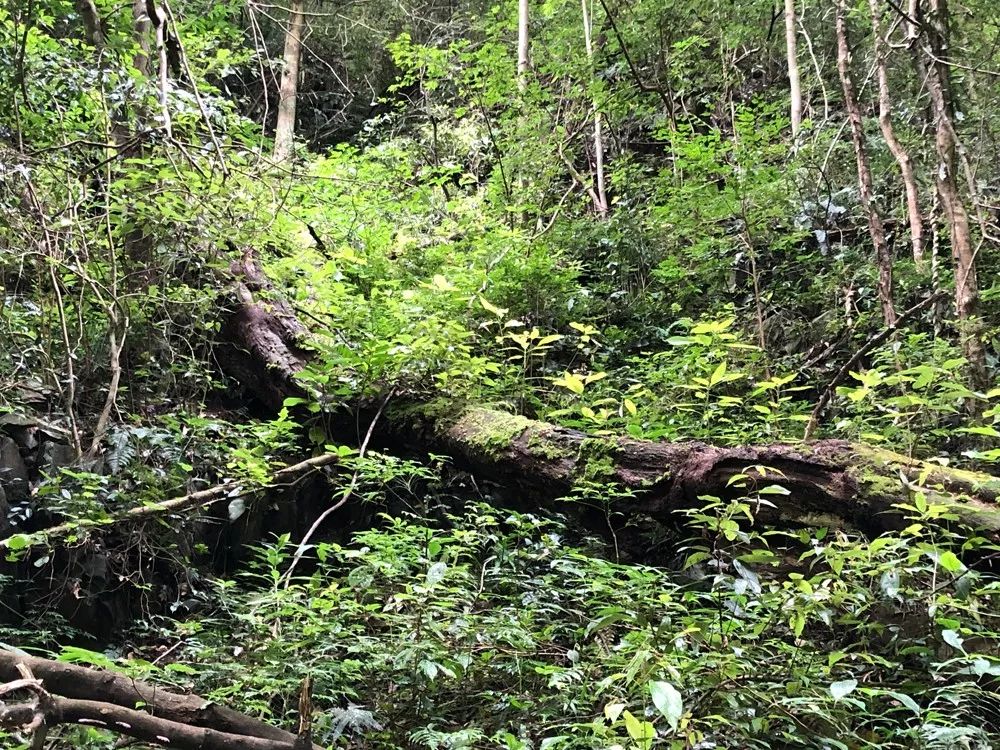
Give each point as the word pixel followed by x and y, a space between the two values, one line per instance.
pixel 641 732
pixel 570 381
pixel 950 562
pixel 906 700
pixel 717 375
pixel 842 688
pixel 668 701
pixel 953 639
pixel 500 312
pixel 436 572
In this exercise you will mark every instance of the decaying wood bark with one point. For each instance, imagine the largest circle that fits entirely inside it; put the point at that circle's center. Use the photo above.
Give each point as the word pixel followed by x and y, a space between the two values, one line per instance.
pixel 261 338
pixel 133 708
pixel 827 481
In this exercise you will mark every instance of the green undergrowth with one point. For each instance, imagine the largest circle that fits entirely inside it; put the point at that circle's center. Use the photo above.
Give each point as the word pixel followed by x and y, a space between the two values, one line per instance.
pixel 493 629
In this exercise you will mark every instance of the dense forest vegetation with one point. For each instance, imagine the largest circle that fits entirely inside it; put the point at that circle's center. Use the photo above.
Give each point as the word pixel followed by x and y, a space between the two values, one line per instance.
pixel 536 375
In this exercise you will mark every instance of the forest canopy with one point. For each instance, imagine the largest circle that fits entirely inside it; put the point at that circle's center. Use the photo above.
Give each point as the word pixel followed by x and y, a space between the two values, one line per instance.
pixel 537 375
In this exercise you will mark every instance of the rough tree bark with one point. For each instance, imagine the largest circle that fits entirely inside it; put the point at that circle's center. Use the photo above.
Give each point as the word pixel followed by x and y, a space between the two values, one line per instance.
pixel 260 339
pixel 899 152
pixel 284 132
pixel 883 253
pixel 828 479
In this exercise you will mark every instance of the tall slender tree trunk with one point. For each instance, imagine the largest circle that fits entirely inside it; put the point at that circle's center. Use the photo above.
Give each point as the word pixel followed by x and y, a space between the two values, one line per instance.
pixel 522 88
pixel 883 254
pixel 284 132
pixel 899 152
pixel 140 31
pixel 522 45
pixel 601 205
pixel 91 23
pixel 794 84
pixel 935 25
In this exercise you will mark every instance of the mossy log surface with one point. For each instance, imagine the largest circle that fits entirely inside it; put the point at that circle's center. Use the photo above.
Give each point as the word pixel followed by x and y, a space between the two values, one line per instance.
pixel 858 485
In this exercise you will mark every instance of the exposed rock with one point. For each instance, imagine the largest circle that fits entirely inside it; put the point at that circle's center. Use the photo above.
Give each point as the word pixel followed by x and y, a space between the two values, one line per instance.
pixel 4 509
pixel 13 471
pixel 55 456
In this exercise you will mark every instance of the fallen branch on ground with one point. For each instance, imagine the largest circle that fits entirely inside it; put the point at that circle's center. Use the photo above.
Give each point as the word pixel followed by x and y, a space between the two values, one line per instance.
pixel 199 499
pixel 71 694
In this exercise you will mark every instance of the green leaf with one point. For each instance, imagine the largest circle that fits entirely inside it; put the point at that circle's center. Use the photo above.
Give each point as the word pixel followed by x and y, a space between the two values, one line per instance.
pixel 500 312
pixel 950 562
pixel 613 710
pixel 77 655
pixel 773 489
pixel 571 382
pixel 668 701
pixel 953 639
pixel 842 688
pixel 641 732
pixel 905 700
pixel 718 375
pixel 436 573
pixel 17 541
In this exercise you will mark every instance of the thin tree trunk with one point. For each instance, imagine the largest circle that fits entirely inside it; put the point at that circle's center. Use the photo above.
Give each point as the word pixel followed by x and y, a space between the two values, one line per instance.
pixel 936 35
pixel 899 152
pixel 601 205
pixel 164 71
pixel 140 30
pixel 284 132
pixel 522 88
pixel 883 254
pixel 794 84
pixel 91 23
pixel 522 45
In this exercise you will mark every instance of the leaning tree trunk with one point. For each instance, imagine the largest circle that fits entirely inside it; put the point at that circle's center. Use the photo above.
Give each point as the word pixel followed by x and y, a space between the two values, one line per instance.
pixel 883 253
pixel 899 152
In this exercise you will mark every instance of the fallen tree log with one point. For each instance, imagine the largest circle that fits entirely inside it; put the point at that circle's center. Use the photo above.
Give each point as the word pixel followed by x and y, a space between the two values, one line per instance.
pixel 855 484
pixel 131 707
pixel 828 480
pixel 860 485
pixel 823 481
